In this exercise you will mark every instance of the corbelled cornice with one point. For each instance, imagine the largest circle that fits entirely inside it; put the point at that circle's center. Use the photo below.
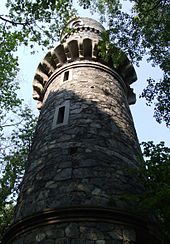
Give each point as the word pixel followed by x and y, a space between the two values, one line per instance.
pixel 79 44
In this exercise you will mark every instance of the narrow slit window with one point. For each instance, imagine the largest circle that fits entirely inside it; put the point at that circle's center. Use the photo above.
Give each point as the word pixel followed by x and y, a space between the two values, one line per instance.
pixel 66 76
pixel 61 115
pixel 61 112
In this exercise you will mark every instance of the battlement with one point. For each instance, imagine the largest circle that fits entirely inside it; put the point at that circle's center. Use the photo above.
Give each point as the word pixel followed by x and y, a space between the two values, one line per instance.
pixel 82 26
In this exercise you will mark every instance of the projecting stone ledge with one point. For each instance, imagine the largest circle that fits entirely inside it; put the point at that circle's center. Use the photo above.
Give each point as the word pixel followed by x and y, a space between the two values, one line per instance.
pixel 80 43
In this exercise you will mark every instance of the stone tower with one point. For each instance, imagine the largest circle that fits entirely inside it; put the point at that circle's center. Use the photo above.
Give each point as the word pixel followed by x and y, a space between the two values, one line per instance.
pixel 84 149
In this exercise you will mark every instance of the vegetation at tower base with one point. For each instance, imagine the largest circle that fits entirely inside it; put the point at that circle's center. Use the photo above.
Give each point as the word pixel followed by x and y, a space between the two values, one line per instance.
pixel 14 148
pixel 156 175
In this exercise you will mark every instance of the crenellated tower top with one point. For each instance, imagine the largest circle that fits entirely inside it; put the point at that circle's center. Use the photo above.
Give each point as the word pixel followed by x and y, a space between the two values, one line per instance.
pixel 82 27
pixel 80 41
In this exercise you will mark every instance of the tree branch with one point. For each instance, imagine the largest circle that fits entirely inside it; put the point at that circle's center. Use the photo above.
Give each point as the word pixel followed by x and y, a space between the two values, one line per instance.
pixel 12 22
pixel 8 125
pixel 156 5
pixel 50 36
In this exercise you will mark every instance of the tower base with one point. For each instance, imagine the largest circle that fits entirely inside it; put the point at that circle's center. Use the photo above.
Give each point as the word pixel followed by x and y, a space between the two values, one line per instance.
pixel 81 225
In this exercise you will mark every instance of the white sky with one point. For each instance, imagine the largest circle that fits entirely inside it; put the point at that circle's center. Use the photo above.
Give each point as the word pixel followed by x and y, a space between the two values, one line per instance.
pixel 146 126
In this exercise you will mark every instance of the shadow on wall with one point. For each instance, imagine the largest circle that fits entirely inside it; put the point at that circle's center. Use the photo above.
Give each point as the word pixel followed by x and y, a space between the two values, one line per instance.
pixel 82 151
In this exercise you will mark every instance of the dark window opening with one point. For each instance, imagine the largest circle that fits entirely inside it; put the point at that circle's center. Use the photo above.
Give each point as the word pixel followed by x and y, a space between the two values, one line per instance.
pixel 66 76
pixel 76 24
pixel 73 150
pixel 61 112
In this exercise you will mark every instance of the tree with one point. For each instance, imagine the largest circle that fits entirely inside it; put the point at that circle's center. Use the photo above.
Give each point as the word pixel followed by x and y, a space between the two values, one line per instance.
pixel 156 175
pixel 24 25
pixel 6 215
pixel 154 21
pixel 14 150
pixel 145 32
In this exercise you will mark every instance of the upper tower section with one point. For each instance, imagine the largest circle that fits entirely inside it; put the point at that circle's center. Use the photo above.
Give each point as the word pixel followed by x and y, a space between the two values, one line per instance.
pixel 81 28
pixel 80 41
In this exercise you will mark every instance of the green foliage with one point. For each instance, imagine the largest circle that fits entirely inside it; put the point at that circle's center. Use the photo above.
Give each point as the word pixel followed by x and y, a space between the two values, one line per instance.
pixel 26 23
pixel 15 145
pixel 145 31
pixel 154 175
pixel 39 21
pixel 156 178
pixel 153 20
pixel 6 216
pixel 13 153
pixel 8 70
pixel 161 91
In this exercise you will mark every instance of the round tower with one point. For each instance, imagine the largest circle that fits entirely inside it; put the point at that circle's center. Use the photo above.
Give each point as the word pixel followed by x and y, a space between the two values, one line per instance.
pixel 84 151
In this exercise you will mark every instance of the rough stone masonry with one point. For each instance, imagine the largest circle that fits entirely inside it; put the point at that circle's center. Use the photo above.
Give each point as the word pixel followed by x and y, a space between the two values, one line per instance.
pixel 84 151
